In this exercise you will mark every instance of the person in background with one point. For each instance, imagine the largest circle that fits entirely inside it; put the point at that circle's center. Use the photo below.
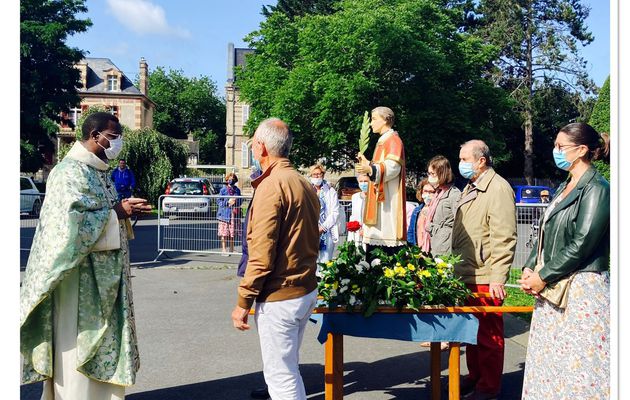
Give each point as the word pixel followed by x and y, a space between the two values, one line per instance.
pixel 124 180
pixel 328 213
pixel 358 201
pixel 544 196
pixel 282 238
pixel 568 354
pixel 228 213
pixel 77 324
pixel 415 233
pixel 484 234
pixel 440 215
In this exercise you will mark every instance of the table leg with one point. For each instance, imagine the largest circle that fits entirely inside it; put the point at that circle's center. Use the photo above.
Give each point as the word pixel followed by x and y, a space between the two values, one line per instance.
pixel 333 367
pixel 453 372
pixel 436 369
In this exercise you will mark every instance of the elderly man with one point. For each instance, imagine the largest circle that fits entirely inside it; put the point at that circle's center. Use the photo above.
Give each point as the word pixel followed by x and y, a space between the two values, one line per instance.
pixel 384 215
pixel 283 243
pixel 76 313
pixel 484 234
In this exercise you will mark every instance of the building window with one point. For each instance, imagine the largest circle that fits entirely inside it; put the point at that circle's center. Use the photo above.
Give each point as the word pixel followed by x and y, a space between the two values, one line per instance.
pixel 245 155
pixel 112 82
pixel 75 114
pixel 245 113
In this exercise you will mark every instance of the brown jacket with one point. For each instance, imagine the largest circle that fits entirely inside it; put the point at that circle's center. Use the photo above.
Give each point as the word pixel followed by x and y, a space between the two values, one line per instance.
pixel 484 232
pixel 282 237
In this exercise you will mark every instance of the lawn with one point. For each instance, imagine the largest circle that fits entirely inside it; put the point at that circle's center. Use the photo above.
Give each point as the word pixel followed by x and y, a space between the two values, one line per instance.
pixel 516 297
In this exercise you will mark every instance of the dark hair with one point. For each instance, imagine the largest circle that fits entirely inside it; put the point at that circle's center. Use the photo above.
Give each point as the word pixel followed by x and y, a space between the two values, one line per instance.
pixel 97 121
pixel 442 168
pixel 585 135
pixel 122 159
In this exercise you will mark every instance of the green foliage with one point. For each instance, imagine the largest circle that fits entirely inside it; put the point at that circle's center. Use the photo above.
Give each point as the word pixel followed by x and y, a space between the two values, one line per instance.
pixel 155 159
pixel 64 148
pixel 189 105
pixel 294 8
pixel 78 134
pixel 600 118
pixel 319 72
pixel 48 80
pixel 516 297
pixel 408 279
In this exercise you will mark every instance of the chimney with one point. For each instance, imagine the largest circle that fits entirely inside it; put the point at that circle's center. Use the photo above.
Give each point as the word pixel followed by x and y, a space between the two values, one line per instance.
pixel 231 63
pixel 82 67
pixel 144 75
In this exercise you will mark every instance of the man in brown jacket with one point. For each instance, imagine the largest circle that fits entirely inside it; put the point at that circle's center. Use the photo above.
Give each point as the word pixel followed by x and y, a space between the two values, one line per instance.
pixel 283 243
pixel 484 234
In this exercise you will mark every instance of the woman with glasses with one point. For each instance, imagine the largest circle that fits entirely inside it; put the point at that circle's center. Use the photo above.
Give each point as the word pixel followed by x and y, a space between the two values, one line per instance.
pixel 569 341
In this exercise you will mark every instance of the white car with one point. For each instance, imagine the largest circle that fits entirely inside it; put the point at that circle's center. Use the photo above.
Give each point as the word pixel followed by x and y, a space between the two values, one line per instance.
pixel 194 203
pixel 30 197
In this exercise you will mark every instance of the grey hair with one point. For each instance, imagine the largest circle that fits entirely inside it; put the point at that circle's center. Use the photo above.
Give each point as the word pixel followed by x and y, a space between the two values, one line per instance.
pixel 480 149
pixel 276 136
pixel 386 113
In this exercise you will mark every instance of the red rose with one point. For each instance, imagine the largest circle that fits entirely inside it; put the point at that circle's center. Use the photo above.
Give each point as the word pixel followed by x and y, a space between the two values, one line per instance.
pixel 353 226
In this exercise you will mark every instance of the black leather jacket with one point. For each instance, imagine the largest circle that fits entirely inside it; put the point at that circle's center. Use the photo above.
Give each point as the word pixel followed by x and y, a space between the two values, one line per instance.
pixel 577 232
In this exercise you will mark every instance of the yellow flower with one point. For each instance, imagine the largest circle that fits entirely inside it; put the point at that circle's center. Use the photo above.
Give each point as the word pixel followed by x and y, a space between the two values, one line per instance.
pixel 335 285
pixel 424 272
pixel 442 265
pixel 388 272
pixel 400 271
pixel 329 263
pixel 410 267
pixel 326 285
pixel 417 255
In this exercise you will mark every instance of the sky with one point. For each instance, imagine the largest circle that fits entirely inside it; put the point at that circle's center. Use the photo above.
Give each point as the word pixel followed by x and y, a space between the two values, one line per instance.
pixel 193 35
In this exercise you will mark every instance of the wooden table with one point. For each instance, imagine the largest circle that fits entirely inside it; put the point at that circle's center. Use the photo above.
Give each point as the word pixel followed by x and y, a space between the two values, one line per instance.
pixel 333 360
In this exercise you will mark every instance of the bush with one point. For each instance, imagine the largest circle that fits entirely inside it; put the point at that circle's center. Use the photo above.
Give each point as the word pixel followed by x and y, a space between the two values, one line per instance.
pixel 155 159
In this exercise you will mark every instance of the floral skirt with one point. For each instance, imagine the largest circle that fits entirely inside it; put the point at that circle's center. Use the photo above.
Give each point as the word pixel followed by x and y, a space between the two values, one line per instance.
pixel 568 351
pixel 226 228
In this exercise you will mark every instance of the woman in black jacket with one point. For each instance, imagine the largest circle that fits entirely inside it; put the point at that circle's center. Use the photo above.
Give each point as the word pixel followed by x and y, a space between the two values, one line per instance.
pixel 569 340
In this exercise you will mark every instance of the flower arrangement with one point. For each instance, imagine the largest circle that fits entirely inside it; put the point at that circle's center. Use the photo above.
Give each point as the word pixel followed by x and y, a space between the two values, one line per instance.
pixel 353 226
pixel 409 279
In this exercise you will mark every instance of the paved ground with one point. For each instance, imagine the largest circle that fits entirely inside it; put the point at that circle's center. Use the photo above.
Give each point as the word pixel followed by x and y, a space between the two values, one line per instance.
pixel 189 349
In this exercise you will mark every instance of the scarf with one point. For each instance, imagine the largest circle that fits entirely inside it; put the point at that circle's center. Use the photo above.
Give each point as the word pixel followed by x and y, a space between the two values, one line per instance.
pixel 426 239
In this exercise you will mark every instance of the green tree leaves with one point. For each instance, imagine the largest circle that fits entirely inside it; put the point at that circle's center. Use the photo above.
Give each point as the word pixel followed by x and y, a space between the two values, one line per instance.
pixel 189 105
pixel 48 79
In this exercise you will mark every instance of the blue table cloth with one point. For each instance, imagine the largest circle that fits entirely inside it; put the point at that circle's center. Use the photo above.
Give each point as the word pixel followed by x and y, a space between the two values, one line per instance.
pixel 438 327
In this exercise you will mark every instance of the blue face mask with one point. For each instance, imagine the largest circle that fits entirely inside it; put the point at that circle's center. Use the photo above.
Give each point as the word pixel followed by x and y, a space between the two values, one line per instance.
pixel 560 158
pixel 363 186
pixel 256 164
pixel 466 169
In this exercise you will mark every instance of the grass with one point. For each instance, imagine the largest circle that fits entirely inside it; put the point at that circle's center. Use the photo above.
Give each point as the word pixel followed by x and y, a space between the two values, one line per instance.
pixel 516 297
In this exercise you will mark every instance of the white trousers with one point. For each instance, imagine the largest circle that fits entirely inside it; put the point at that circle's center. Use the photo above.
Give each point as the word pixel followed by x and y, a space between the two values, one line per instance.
pixel 67 382
pixel 281 327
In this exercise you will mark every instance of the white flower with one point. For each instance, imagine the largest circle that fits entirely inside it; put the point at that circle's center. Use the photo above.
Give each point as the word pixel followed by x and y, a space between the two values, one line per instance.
pixel 352 300
pixel 333 293
pixel 450 266
pixel 343 289
pixel 376 262
pixel 363 265
pixel 345 281
pixel 438 260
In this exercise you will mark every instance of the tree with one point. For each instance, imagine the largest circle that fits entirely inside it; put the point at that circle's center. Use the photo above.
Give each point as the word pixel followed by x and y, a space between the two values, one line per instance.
pixel 539 42
pixel 600 120
pixel 155 159
pixel 321 72
pixel 296 8
pixel 189 106
pixel 48 80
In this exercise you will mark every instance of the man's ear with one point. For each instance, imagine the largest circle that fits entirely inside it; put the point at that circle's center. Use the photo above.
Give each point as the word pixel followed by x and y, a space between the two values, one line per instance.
pixel 94 134
pixel 263 150
pixel 482 161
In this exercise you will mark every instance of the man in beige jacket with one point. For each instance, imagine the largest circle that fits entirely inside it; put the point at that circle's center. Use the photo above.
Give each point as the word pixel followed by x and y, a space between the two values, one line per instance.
pixel 484 234
pixel 283 244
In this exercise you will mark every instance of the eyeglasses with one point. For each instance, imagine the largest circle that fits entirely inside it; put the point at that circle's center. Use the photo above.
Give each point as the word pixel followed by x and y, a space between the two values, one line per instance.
pixel 564 146
pixel 110 134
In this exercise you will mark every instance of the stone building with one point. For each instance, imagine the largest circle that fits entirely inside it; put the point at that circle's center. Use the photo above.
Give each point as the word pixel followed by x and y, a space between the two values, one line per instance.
pixel 104 84
pixel 237 140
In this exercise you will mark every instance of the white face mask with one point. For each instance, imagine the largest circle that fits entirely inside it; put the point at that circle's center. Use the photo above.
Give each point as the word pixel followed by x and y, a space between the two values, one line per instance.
pixel 317 181
pixel 433 180
pixel 115 147
pixel 426 198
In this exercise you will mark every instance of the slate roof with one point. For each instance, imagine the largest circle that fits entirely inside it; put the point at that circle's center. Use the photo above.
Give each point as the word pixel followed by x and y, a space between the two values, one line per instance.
pixel 97 77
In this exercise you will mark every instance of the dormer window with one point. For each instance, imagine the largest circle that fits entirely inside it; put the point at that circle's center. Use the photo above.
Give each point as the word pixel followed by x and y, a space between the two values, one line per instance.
pixel 112 83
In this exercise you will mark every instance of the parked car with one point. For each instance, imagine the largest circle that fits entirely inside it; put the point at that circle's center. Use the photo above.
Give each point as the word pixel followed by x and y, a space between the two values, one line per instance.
pixel 191 187
pixel 30 197
pixel 530 194
pixel 347 186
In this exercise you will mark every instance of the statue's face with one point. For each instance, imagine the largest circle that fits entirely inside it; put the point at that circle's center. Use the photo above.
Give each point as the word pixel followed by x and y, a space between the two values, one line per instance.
pixel 378 124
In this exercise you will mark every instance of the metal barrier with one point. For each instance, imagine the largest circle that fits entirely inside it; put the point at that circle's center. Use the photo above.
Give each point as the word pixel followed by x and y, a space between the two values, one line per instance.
pixel 190 223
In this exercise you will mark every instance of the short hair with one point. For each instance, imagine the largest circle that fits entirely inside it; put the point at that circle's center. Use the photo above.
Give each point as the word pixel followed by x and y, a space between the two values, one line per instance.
pixel 442 168
pixel 97 121
pixel 123 160
pixel 316 166
pixel 231 175
pixel 386 113
pixel 422 183
pixel 276 136
pixel 480 149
